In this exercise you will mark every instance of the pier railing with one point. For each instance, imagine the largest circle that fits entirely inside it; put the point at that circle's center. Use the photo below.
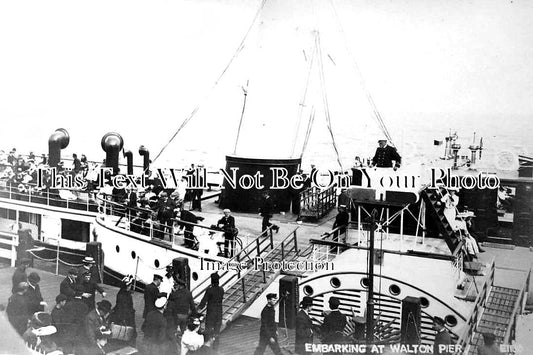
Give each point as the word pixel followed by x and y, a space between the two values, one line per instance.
pixel 65 198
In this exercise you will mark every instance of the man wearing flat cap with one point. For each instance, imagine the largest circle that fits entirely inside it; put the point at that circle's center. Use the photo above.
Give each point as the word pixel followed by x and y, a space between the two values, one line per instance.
pixel 386 156
pixel 304 327
pixel 268 334
pixel 333 324
pixel 442 337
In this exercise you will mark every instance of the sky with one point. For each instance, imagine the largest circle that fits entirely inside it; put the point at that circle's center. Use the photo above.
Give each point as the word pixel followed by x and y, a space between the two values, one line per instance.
pixel 141 67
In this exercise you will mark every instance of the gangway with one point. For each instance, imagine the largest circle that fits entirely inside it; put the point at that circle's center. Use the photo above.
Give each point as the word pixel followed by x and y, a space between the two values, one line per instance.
pixel 241 289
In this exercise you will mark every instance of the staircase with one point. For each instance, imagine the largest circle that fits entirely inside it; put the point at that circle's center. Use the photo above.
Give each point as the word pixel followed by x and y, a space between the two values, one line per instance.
pixel 244 287
pixel 498 316
pixel 246 290
pixel 432 200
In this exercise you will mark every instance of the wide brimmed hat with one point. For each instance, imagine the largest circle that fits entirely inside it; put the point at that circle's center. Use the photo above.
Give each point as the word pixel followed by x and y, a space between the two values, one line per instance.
pixel 44 331
pixel 88 260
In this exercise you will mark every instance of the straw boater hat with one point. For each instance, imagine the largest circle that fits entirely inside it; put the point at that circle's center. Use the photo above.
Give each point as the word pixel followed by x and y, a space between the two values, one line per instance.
pixel 88 260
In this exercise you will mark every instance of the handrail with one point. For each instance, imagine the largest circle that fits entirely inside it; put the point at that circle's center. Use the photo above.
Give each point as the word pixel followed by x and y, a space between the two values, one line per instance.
pixel 515 312
pixel 238 257
pixel 324 236
pixel 292 236
pixel 474 318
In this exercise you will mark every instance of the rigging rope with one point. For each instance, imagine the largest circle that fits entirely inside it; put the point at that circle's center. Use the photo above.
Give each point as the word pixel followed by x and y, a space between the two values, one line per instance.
pixel 245 92
pixel 375 110
pixel 302 102
pixel 195 110
pixel 325 97
pixel 308 131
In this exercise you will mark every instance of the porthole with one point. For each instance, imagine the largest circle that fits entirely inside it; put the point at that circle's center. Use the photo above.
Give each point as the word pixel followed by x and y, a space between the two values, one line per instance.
pixel 365 282
pixel 133 255
pixel 195 276
pixel 117 248
pixel 450 320
pixel 335 282
pixel 394 290
pixel 156 263
pixel 308 290
pixel 424 302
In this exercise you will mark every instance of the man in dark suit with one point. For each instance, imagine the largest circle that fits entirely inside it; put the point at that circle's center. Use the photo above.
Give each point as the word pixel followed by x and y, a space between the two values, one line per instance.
pixel 213 300
pixel 88 265
pixel 20 273
pixel 151 294
pixel 95 325
pixel 268 334
pixel 442 337
pixel 266 210
pixel 333 324
pixel 75 312
pixel 341 221
pixel 386 155
pixel 186 216
pixel 33 294
pixel 68 285
pixel 227 224
pixel 304 327
pixel 17 308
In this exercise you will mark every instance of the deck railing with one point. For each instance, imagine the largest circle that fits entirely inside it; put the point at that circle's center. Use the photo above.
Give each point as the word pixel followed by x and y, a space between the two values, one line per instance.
pixel 133 219
pixel 78 200
pixel 316 203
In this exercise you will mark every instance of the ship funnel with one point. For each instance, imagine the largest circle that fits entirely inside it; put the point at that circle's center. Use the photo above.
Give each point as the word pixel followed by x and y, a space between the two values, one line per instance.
pixel 57 141
pixel 146 157
pixel 112 144
pixel 128 154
